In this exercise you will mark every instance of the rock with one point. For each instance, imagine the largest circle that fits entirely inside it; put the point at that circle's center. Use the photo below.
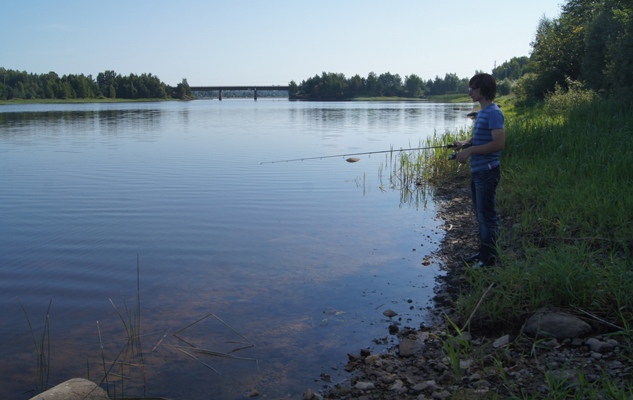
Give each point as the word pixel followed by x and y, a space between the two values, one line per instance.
pixel 397 385
pixel 310 395
pixel 372 359
pixel 598 346
pixel 389 313
pixel 465 365
pixel 502 341
pixel 408 347
pixel 558 325
pixel 74 389
pixel 364 386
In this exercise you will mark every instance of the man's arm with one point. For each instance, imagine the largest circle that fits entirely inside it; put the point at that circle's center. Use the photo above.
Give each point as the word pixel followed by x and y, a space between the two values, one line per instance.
pixel 498 143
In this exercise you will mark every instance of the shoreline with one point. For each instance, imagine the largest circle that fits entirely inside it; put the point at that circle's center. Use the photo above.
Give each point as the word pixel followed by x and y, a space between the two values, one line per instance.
pixel 447 361
pixel 395 366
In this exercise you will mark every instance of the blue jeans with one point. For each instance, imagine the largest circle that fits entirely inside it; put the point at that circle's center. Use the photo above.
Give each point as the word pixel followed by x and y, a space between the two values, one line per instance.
pixel 483 190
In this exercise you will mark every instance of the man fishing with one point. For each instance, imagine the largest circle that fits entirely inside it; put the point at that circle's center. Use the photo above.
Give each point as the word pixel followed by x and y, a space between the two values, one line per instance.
pixel 484 149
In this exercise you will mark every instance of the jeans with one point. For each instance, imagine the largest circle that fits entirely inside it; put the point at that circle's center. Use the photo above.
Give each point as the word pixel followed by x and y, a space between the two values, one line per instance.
pixel 483 190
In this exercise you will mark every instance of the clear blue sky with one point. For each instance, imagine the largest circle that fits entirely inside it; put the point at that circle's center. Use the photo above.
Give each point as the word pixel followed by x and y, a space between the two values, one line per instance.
pixel 266 42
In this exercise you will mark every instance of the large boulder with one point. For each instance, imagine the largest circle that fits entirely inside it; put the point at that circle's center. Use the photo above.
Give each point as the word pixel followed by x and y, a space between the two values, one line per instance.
pixel 74 389
pixel 556 324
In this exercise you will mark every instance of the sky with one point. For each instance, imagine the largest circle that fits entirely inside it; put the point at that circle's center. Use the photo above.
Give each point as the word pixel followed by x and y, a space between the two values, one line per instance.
pixel 267 42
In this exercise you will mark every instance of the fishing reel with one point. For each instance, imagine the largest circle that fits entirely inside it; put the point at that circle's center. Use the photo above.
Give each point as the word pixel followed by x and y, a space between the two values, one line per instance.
pixel 453 156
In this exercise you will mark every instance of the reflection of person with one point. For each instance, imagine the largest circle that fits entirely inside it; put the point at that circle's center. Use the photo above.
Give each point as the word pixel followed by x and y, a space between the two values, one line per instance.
pixel 486 144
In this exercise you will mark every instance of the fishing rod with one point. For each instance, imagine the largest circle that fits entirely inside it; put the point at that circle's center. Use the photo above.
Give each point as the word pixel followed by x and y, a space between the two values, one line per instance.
pixel 351 159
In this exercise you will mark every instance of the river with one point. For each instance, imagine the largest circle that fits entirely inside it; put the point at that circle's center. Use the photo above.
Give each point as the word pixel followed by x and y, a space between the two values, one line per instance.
pixel 286 267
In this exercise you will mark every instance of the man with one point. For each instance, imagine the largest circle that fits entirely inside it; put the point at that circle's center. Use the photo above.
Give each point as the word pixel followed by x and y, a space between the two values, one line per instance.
pixel 486 144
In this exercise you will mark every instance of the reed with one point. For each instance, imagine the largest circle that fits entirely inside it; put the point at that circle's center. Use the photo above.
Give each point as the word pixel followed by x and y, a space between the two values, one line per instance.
pixel 414 173
pixel 130 357
pixel 42 349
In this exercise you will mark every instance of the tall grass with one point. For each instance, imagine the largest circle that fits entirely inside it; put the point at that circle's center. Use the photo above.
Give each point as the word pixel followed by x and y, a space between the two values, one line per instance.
pixel 130 358
pixel 566 199
pixel 566 195
pixel 42 348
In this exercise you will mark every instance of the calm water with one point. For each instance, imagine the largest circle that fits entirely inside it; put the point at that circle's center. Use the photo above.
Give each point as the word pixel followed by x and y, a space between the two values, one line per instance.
pixel 299 259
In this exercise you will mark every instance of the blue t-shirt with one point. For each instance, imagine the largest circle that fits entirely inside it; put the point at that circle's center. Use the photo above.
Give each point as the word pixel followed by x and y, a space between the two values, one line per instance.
pixel 488 119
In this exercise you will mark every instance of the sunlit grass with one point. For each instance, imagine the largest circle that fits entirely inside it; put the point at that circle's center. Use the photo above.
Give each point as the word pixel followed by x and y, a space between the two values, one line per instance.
pixel 565 197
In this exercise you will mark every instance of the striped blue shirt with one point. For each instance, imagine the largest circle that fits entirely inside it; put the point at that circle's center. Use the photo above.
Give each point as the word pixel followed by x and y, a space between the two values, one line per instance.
pixel 488 119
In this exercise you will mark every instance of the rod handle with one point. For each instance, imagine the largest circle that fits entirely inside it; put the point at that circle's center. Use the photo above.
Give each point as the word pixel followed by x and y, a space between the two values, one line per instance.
pixel 453 156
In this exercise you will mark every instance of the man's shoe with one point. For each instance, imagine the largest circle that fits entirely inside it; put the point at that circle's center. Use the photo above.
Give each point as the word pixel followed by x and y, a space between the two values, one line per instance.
pixel 472 258
pixel 490 262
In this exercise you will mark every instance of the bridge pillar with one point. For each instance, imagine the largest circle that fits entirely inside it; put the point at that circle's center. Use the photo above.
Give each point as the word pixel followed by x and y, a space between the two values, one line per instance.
pixel 255 94
pixel 220 94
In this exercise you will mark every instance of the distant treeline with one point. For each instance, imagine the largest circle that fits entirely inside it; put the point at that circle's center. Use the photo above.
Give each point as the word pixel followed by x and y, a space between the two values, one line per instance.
pixel 337 86
pixel 589 48
pixel 108 84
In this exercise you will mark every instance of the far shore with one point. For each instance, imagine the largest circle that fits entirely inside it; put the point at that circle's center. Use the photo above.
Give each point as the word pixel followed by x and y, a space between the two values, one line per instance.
pixel 453 98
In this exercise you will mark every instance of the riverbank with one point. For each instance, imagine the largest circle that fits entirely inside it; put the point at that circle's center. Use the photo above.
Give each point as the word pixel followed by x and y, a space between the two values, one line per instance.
pixel 447 361
pixel 552 318
pixel 452 98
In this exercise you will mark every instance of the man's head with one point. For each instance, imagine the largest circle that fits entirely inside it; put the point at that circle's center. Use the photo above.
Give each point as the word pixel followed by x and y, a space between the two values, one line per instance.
pixel 486 85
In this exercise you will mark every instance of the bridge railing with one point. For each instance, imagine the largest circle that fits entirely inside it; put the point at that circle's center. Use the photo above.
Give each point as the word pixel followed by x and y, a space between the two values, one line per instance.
pixel 219 89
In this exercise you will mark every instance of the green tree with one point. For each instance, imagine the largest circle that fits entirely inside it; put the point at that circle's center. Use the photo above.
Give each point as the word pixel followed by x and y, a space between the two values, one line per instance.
pixel 355 86
pixel 293 89
pixel 183 91
pixel 619 59
pixel 371 85
pixel 414 85
pixel 389 85
pixel 107 83
pixel 513 69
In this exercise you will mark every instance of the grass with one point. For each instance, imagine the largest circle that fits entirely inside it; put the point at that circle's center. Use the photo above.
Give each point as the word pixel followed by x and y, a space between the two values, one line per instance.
pixel 566 197
pixel 130 357
pixel 127 367
pixel 42 348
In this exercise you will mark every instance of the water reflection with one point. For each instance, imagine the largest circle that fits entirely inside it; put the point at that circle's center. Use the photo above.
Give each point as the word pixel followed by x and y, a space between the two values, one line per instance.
pixel 271 250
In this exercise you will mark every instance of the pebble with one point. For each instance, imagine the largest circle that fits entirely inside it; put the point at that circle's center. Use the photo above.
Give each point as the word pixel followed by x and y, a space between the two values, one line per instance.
pixel 364 385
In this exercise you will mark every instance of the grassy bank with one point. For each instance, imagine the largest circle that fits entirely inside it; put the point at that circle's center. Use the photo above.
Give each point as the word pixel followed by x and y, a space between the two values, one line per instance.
pixel 567 190
pixel 565 197
pixel 565 200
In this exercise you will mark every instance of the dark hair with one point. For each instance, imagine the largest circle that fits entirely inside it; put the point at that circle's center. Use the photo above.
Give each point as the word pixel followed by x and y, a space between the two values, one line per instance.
pixel 486 84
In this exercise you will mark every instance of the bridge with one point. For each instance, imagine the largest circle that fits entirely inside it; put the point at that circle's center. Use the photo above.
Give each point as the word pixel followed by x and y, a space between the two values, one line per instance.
pixel 254 88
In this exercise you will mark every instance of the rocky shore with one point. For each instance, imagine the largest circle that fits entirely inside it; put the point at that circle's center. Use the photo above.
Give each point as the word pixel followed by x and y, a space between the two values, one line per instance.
pixel 554 347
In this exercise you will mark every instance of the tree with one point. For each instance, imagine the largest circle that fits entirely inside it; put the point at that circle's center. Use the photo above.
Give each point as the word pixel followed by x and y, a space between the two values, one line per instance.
pixel 591 42
pixel 513 69
pixel 414 85
pixel 389 85
pixel 618 71
pixel 183 91
pixel 107 83
pixel 355 86
pixel 371 85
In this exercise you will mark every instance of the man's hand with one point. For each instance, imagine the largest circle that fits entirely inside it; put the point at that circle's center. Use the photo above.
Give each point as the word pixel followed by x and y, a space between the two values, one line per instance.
pixel 462 156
